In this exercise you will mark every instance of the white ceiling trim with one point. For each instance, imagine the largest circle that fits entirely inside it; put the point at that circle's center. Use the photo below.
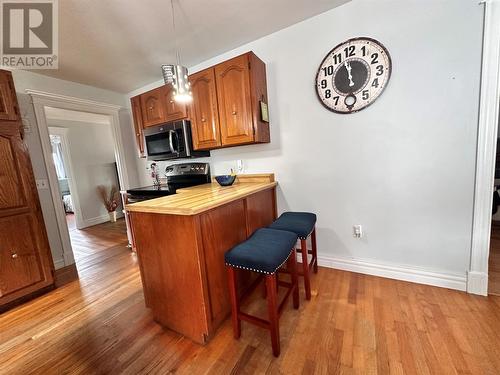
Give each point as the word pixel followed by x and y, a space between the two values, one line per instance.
pixel 47 96
pixel 61 114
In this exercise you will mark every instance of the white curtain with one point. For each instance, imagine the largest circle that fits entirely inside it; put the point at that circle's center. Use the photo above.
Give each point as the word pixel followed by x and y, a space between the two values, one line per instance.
pixel 55 141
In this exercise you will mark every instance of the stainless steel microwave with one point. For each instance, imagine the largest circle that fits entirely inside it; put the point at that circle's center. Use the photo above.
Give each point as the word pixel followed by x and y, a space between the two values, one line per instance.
pixel 171 140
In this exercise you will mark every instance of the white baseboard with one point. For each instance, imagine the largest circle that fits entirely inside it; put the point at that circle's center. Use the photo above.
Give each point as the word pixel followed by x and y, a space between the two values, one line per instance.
pixel 394 271
pixel 98 220
pixel 477 283
pixel 59 263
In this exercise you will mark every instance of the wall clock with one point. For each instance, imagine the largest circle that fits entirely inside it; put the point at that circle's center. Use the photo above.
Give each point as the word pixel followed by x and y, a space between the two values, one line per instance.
pixel 353 75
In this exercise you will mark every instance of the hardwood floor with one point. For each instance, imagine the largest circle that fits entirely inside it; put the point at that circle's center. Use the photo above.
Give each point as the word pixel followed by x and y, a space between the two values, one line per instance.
pixel 354 324
pixel 494 260
pixel 92 240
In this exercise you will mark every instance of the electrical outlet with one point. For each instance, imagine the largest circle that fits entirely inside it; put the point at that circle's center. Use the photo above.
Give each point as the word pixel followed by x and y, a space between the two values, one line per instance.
pixel 240 166
pixel 357 231
pixel 42 184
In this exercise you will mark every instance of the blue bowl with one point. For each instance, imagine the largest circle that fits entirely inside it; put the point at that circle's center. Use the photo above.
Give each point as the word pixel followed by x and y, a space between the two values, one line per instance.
pixel 225 180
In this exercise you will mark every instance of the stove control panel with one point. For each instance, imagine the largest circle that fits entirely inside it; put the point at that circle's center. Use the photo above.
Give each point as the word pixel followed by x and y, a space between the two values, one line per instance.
pixel 187 169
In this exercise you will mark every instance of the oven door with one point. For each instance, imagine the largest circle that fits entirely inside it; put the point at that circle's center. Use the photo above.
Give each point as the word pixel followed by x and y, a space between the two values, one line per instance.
pixel 164 142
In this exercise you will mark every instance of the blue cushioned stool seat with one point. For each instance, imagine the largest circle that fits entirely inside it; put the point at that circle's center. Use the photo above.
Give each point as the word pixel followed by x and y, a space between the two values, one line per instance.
pixel 301 223
pixel 265 251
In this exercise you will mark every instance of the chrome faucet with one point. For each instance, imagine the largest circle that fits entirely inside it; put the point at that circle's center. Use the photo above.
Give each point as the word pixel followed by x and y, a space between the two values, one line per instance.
pixel 155 174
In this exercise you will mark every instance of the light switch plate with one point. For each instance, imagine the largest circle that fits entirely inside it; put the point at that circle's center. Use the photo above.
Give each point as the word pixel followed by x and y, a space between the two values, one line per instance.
pixel 357 231
pixel 26 125
pixel 42 184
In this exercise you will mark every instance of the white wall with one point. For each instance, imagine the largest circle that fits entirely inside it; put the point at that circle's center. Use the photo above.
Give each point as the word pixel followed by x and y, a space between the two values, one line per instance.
pixel 92 157
pixel 27 80
pixel 403 167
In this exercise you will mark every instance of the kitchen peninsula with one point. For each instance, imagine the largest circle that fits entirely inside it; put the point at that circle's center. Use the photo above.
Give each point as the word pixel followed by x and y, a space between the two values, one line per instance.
pixel 181 240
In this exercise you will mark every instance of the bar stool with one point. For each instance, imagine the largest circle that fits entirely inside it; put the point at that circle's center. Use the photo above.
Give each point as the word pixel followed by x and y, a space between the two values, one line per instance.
pixel 264 252
pixel 304 225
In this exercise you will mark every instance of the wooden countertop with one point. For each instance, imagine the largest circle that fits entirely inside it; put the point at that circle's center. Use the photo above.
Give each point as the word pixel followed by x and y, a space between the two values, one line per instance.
pixel 197 199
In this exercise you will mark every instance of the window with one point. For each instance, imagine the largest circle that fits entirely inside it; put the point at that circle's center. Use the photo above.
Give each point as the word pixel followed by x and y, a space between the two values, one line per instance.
pixel 55 141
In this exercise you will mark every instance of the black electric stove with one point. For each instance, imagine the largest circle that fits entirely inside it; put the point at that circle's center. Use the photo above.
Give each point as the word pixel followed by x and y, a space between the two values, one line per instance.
pixel 178 176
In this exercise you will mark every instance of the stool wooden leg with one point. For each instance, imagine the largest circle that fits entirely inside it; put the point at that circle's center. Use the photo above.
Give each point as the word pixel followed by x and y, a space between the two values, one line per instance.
pixel 314 250
pixel 277 281
pixel 272 307
pixel 305 268
pixel 292 266
pixel 235 305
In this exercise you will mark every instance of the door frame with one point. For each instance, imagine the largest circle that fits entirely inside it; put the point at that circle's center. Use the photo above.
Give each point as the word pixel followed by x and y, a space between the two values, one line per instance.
pixel 477 275
pixel 43 99
pixel 72 179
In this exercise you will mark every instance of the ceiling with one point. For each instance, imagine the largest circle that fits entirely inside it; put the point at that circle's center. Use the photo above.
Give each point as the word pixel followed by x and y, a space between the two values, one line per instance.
pixel 120 44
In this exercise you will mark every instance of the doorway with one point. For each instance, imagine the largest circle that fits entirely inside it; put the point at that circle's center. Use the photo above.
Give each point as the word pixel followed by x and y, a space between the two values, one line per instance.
pixel 85 164
pixel 477 275
pixel 61 159
pixel 494 256
pixel 58 111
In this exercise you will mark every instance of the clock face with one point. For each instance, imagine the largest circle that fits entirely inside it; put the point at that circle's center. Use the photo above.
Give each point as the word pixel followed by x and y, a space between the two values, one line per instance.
pixel 353 75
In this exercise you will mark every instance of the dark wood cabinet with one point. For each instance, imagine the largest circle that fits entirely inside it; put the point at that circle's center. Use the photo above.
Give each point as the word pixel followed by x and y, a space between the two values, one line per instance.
pixel 8 102
pixel 25 261
pixel 204 112
pixel 138 126
pixel 19 258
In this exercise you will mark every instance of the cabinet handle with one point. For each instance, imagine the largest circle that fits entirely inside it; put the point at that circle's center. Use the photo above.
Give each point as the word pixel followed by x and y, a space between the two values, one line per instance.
pixel 203 119
pixel 138 134
pixel 14 255
pixel 234 112
pixel 171 101
pixel 150 108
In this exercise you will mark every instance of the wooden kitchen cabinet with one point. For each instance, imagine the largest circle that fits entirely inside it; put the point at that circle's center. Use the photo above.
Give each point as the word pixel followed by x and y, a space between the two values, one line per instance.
pixel 8 102
pixel 226 106
pixel 185 283
pixel 234 98
pixel 173 111
pixel 26 263
pixel 204 112
pixel 20 262
pixel 158 107
pixel 240 86
pixel 138 126
pixel 152 107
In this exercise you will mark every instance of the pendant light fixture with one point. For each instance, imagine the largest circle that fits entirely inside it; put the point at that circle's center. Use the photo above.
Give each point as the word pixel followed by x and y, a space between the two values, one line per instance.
pixel 177 75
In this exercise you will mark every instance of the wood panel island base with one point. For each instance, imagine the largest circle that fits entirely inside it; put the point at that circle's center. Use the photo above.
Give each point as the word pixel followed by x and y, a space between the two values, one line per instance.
pixel 181 240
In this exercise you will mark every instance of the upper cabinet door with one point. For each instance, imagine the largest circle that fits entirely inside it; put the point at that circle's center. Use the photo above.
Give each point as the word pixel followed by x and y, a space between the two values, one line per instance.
pixel 234 99
pixel 137 114
pixel 8 104
pixel 173 111
pixel 204 112
pixel 152 107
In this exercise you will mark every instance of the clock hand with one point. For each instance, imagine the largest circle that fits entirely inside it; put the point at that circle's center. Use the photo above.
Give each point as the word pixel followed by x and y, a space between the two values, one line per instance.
pixel 348 67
